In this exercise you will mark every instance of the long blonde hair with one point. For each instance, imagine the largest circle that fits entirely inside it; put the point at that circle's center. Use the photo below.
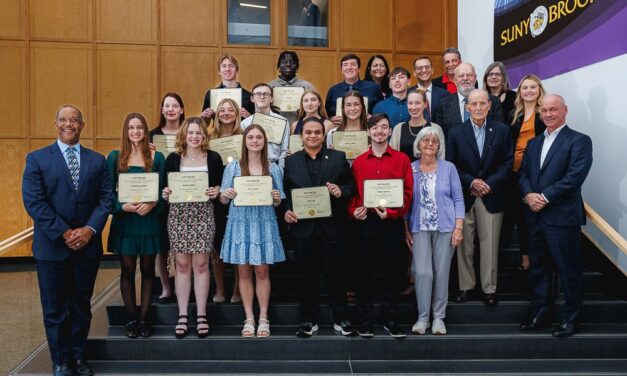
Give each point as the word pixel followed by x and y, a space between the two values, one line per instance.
pixel 216 129
pixel 519 104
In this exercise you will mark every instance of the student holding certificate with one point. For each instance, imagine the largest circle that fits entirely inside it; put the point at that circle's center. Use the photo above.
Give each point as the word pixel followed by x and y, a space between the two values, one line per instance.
pixel 225 124
pixel 318 240
pixel 311 105
pixel 380 229
pixel 191 225
pixel 433 228
pixel 354 115
pixel 228 68
pixel 172 115
pixel 277 146
pixel 135 227
pixel 252 238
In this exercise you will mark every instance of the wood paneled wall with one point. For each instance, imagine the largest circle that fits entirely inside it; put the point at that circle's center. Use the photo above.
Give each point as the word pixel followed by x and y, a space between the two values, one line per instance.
pixel 111 57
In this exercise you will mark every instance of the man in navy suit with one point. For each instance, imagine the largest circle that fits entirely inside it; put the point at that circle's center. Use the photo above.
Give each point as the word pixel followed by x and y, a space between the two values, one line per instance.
pixel 482 151
pixel 68 194
pixel 423 71
pixel 451 112
pixel 554 167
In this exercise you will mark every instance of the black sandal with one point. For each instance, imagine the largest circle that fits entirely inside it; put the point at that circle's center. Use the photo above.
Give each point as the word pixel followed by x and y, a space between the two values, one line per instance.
pixel 180 330
pixel 132 329
pixel 201 322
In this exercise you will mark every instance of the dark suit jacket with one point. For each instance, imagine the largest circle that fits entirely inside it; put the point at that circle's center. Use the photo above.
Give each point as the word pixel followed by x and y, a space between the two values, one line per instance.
pixel 559 178
pixel 493 166
pixel 448 115
pixel 55 206
pixel 335 169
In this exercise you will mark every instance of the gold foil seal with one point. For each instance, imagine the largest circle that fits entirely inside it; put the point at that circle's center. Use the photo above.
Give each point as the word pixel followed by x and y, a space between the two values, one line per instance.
pixel 311 212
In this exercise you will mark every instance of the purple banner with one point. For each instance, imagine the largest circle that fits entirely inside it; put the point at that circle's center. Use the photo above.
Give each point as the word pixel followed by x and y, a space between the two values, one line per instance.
pixel 549 38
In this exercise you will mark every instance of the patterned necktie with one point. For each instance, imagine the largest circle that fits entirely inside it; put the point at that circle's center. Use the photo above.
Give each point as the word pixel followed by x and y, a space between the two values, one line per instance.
pixel 73 164
pixel 466 113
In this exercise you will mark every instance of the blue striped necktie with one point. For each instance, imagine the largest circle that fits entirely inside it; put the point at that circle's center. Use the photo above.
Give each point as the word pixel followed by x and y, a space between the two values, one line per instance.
pixel 73 164
pixel 466 113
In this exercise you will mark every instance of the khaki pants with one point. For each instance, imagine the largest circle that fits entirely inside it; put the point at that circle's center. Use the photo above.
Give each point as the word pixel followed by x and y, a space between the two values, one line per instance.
pixel 488 228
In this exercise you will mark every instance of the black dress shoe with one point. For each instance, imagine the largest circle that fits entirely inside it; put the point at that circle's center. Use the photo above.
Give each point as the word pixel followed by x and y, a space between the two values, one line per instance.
pixel 537 323
pixel 83 368
pixel 464 296
pixel 62 370
pixel 565 329
pixel 490 300
pixel 145 329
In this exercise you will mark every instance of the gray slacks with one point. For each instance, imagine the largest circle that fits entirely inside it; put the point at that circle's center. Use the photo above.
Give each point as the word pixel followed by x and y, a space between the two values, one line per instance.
pixel 432 254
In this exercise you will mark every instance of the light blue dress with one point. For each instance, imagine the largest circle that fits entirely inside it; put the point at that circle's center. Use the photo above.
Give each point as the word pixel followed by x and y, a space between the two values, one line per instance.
pixel 252 234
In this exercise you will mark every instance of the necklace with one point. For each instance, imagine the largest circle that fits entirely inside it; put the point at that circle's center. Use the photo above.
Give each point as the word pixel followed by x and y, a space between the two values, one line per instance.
pixel 409 127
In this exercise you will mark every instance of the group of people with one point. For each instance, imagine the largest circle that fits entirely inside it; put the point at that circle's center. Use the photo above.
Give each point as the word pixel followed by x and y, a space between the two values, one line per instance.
pixel 470 160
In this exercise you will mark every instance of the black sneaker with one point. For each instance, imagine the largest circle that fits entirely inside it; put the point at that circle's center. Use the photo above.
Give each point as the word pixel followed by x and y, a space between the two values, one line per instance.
pixel 345 327
pixel 394 330
pixel 307 329
pixel 365 330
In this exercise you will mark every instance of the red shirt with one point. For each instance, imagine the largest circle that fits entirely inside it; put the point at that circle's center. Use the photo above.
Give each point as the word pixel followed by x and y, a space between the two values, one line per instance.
pixel 450 85
pixel 391 165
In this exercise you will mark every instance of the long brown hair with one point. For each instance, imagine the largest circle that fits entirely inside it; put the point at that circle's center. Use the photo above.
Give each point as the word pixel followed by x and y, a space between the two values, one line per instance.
pixel 181 136
pixel 364 114
pixel 126 146
pixel 519 104
pixel 265 163
pixel 215 129
pixel 178 99
pixel 321 111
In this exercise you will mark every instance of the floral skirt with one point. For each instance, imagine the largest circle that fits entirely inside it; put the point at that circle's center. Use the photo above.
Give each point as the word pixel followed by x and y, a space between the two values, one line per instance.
pixel 191 227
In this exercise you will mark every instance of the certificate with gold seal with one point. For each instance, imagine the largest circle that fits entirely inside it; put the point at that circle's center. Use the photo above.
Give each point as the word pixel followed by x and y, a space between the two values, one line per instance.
pixel 217 95
pixel 165 143
pixel 386 193
pixel 352 143
pixel 253 190
pixel 312 202
pixel 138 187
pixel 188 186
pixel 338 106
pixel 274 126
pixel 229 148
pixel 296 143
pixel 287 98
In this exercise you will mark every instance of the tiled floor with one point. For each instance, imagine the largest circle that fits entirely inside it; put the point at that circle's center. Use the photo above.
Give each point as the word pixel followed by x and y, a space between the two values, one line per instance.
pixel 21 326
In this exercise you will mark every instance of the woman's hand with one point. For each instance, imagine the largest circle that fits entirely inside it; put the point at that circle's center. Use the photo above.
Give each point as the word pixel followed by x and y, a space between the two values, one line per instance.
pixel 212 192
pixel 145 208
pixel 409 240
pixel 207 113
pixel 130 207
pixel 457 237
pixel 166 193
pixel 229 193
pixel 276 197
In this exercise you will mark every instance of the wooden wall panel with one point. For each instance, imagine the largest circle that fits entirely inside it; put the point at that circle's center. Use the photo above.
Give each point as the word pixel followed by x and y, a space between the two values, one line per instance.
pixel 67 19
pixel 127 20
pixel 366 24
pixel 190 22
pixel 12 19
pixel 13 96
pixel 319 68
pixel 126 82
pixel 420 25
pixel 255 65
pixel 38 143
pixel 12 216
pixel 363 57
pixel 105 146
pixel 176 62
pixel 59 73
pixel 407 61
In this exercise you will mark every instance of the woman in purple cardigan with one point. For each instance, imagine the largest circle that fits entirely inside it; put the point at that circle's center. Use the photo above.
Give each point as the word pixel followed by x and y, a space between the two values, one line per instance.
pixel 433 228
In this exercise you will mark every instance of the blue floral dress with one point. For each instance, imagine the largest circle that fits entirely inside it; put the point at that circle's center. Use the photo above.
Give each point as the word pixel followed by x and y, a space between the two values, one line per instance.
pixel 252 234
pixel 429 209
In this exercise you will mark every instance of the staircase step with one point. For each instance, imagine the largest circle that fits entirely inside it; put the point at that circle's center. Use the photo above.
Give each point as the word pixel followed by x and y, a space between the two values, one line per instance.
pixel 473 312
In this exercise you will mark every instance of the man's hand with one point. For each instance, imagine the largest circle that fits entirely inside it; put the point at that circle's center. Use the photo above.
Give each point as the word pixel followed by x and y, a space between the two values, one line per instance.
pixel 535 201
pixel 481 187
pixel 334 190
pixel 78 238
pixel 290 217
pixel 381 212
pixel 360 213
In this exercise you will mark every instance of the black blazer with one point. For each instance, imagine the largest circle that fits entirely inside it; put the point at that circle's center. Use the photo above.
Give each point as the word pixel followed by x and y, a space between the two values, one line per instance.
pixel 335 169
pixel 538 126
pixel 437 94
pixel 493 166
pixel 214 166
pixel 559 179
pixel 448 115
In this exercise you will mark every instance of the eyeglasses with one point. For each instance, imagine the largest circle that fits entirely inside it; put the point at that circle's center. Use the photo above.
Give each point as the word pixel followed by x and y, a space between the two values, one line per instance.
pixel 427 141
pixel 262 95
pixel 73 121
pixel 494 74
pixel 423 67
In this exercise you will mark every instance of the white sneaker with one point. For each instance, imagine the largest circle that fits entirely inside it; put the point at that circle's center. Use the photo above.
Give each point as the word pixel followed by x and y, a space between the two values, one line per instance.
pixel 420 327
pixel 438 327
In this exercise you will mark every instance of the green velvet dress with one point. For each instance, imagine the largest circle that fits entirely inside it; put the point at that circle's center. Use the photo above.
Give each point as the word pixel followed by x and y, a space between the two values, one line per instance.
pixel 131 234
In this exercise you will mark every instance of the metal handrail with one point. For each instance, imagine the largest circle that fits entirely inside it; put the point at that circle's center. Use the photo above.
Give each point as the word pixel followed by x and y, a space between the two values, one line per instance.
pixel 16 240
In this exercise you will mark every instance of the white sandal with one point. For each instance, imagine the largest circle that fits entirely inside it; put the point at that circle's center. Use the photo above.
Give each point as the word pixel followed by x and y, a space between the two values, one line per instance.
pixel 263 330
pixel 249 328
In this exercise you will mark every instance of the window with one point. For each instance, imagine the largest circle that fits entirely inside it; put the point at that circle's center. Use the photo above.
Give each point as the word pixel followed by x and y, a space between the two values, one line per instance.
pixel 249 22
pixel 307 23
